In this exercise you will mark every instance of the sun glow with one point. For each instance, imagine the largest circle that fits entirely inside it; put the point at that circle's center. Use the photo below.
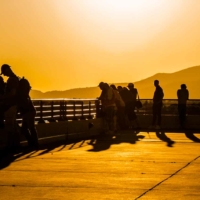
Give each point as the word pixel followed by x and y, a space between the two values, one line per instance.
pixel 118 25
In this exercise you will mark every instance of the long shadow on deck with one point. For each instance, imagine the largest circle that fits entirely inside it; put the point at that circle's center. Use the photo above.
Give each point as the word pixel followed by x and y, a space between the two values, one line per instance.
pixel 105 141
pixel 6 158
pixel 98 143
pixel 161 135
pixel 190 135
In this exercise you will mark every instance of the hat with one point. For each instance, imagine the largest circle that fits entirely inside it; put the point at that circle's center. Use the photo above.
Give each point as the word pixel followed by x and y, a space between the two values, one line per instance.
pixel 130 85
pixel 4 67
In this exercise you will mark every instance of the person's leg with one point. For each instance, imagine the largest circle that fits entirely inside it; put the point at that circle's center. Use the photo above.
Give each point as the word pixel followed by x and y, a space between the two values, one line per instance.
pixel 128 114
pixel 115 119
pixel 121 117
pixel 104 119
pixel 154 115
pixel 11 127
pixel 2 125
pixel 32 128
pixel 25 130
pixel 184 113
pixel 28 128
pixel 159 109
pixel 136 118
pixel 180 113
pixel 108 117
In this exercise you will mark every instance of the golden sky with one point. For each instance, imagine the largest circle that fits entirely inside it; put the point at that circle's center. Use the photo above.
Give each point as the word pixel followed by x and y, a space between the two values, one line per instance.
pixel 63 44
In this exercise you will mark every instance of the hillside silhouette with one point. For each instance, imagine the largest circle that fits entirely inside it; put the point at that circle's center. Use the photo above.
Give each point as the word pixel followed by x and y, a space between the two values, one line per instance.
pixel 170 82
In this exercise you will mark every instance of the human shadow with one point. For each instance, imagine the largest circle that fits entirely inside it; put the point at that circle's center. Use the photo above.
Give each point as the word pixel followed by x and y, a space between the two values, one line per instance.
pixel 105 141
pixel 7 157
pixel 189 134
pixel 161 135
pixel 25 152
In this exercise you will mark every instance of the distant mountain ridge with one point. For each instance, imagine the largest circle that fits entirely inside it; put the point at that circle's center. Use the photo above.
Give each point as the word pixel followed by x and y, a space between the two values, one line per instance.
pixel 170 82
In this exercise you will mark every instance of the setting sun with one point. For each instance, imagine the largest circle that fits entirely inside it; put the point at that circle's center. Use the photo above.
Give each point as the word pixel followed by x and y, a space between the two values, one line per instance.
pixel 118 25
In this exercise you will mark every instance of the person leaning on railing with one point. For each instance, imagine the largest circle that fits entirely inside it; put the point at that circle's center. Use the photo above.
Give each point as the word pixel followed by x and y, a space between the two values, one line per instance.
pixel 107 98
pixel 2 106
pixel 28 113
pixel 121 116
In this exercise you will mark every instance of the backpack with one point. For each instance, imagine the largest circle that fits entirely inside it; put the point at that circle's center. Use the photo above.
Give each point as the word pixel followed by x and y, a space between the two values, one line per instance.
pixel 23 88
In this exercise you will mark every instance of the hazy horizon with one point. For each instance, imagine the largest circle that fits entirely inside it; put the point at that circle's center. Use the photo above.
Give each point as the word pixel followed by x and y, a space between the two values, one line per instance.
pixel 117 82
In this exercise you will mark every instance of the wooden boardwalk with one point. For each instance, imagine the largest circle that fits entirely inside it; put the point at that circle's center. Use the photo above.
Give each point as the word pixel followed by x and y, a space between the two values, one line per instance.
pixel 119 167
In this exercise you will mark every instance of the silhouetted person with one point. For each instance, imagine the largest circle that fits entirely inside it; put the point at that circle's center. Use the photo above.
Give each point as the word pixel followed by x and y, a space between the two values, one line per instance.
pixel 157 105
pixel 2 106
pixel 28 113
pixel 10 102
pixel 133 91
pixel 107 98
pixel 183 96
pixel 121 117
pixel 128 99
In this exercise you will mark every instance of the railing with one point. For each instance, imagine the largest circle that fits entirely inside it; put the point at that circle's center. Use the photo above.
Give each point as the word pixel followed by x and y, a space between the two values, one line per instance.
pixel 170 107
pixel 53 110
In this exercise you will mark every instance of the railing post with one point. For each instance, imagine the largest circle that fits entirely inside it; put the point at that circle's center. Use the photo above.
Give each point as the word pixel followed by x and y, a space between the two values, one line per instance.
pixel 98 113
pixel 52 109
pixel 64 110
pixel 41 120
pixel 90 116
pixel 61 111
pixel 82 111
pixel 74 111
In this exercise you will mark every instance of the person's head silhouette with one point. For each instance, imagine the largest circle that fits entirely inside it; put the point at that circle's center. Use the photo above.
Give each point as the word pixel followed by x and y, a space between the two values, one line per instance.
pixel 156 83
pixel 130 85
pixel 101 85
pixel 6 70
pixel 183 86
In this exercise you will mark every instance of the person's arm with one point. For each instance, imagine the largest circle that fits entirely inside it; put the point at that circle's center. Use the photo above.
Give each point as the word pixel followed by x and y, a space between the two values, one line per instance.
pixel 178 94
pixel 137 95
pixel 101 96
pixel 162 94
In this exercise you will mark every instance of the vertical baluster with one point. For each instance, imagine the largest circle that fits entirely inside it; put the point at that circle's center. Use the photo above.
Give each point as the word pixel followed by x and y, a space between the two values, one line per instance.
pixel 90 116
pixel 82 111
pixel 41 120
pixel 52 112
pixel 74 110
pixel 97 104
pixel 61 111
pixel 65 110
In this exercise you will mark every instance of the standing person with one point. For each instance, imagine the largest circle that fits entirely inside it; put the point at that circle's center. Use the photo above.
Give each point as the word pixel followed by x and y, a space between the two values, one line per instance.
pixel 27 112
pixel 2 106
pixel 183 96
pixel 133 91
pixel 10 102
pixel 157 105
pixel 121 118
pixel 128 99
pixel 107 98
